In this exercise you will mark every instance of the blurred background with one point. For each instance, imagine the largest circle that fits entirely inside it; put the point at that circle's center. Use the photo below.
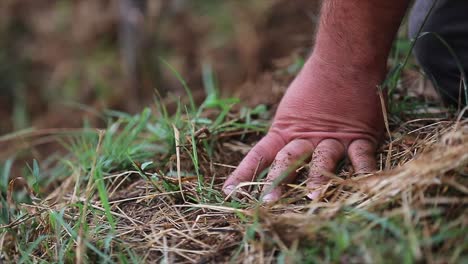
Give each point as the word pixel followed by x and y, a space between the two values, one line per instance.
pixel 63 61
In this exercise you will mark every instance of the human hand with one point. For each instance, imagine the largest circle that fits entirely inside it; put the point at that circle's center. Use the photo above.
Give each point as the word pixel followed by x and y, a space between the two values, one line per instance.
pixel 329 111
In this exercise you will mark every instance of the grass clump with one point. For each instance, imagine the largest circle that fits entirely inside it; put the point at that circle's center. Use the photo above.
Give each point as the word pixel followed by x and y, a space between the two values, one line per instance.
pixel 147 188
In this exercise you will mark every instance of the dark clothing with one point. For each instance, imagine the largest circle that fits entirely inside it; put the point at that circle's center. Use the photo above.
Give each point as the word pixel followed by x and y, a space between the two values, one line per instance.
pixel 449 19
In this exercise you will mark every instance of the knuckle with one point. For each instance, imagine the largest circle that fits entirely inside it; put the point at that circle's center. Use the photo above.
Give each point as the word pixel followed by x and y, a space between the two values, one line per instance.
pixel 256 154
pixel 285 156
pixel 266 147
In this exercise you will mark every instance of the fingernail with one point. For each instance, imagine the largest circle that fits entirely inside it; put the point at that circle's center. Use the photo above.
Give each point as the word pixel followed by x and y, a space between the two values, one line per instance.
pixel 268 198
pixel 313 195
pixel 228 189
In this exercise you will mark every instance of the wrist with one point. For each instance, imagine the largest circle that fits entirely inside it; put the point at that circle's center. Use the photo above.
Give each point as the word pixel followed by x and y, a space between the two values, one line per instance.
pixel 346 62
pixel 342 69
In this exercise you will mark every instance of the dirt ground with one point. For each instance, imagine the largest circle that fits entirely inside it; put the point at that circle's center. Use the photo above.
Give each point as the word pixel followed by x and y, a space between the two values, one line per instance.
pixel 61 55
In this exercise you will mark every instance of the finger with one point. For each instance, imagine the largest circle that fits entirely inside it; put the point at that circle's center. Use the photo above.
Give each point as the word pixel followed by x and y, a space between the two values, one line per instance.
pixel 258 159
pixel 326 157
pixel 361 152
pixel 283 169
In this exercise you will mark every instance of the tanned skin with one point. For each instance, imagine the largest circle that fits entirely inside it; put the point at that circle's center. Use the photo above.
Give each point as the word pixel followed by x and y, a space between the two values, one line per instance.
pixel 332 109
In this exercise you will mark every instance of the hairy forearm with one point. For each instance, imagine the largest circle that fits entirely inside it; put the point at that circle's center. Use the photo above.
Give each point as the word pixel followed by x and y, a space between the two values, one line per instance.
pixel 358 34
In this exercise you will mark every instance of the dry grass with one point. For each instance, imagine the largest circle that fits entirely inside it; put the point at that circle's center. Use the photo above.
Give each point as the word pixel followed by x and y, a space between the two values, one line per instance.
pixel 415 211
